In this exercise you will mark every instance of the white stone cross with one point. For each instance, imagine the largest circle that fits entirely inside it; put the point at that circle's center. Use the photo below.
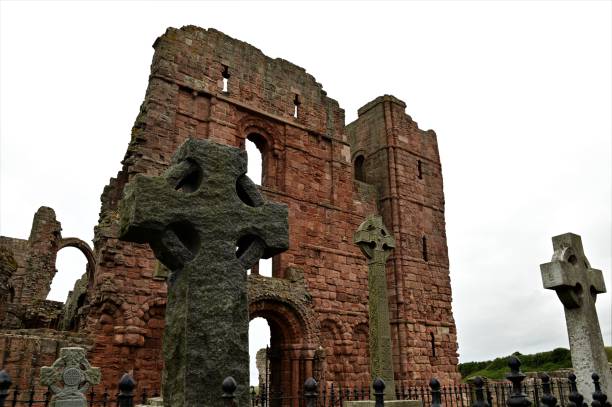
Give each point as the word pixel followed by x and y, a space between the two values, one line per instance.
pixel 577 285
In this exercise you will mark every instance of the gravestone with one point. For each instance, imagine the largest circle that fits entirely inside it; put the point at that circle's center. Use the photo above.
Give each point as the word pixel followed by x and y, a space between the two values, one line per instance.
pixel 577 286
pixel 207 223
pixel 74 371
pixel 376 244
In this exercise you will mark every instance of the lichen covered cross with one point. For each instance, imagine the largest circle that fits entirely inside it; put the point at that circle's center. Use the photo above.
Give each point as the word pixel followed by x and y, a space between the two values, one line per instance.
pixel 577 286
pixel 377 243
pixel 206 221
pixel 74 371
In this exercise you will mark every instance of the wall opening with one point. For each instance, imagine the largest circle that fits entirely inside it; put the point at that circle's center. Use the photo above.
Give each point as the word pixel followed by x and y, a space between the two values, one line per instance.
pixel 226 75
pixel 259 338
pixel 358 167
pixel 433 344
pixel 296 106
pixel 255 146
pixel 264 267
pixel 70 264
pixel 424 247
pixel 420 169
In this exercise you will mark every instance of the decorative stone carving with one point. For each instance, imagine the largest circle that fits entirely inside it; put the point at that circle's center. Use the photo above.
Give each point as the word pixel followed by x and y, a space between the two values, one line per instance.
pixel 74 371
pixel 207 223
pixel 376 243
pixel 577 285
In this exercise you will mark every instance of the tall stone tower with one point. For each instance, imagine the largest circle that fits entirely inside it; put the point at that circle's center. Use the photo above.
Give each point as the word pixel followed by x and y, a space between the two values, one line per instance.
pixel 390 152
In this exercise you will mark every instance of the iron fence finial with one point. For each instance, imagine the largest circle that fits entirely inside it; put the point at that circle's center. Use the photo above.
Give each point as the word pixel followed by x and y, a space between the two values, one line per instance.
pixel 229 387
pixel 600 399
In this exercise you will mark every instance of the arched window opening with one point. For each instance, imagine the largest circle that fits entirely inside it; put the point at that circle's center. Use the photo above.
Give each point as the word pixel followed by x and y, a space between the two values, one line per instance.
pixel 265 267
pixel 70 264
pixel 359 168
pixel 433 344
pixel 424 246
pixel 255 147
pixel 259 343
pixel 420 169
pixel 296 105
pixel 226 75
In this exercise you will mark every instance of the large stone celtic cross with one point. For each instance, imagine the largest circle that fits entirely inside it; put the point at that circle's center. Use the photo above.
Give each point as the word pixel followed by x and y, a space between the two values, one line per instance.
pixel 377 244
pixel 206 221
pixel 577 285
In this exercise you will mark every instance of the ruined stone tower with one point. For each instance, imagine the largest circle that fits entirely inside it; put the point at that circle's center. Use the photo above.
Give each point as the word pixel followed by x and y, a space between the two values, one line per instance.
pixel 204 84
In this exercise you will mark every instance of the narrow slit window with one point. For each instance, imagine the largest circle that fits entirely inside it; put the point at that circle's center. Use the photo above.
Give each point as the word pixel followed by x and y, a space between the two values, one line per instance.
pixel 296 105
pixel 226 75
pixel 420 169
pixel 433 344
pixel 424 245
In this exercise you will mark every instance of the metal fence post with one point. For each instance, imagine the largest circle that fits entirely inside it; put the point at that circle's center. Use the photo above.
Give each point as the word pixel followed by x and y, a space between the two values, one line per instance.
pixel 599 398
pixel 379 392
pixel 5 383
pixel 229 387
pixel 126 391
pixel 310 392
pixel 517 397
pixel 480 400
pixel 436 396
pixel 576 399
pixel 548 399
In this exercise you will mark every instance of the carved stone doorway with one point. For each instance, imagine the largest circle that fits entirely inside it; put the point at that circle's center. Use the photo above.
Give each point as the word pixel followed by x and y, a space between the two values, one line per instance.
pixel 290 357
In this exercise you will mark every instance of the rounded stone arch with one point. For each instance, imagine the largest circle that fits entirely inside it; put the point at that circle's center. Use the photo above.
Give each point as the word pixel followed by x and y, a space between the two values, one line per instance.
pixel 359 359
pixel 358 160
pixel 294 331
pixel 296 325
pixel 87 252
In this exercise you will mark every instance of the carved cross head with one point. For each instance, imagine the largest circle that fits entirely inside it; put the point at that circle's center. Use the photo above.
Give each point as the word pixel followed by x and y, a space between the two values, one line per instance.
pixel 569 272
pixel 203 205
pixel 374 239
pixel 73 370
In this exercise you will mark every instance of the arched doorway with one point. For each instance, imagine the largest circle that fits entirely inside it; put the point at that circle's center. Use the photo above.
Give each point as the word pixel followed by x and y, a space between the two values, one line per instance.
pixel 290 357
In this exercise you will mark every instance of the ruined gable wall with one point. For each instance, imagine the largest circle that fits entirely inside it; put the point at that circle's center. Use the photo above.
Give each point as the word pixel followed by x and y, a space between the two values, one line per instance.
pixel 307 166
pixel 412 204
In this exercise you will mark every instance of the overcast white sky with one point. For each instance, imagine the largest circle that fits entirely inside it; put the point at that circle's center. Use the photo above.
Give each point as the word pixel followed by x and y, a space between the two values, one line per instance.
pixel 519 93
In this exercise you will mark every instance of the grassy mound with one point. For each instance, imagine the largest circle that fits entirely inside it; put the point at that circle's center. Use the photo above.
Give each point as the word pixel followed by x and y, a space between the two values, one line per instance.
pixel 559 358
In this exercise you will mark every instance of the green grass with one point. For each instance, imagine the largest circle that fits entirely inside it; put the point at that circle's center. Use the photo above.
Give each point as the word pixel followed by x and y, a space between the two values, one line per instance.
pixel 538 362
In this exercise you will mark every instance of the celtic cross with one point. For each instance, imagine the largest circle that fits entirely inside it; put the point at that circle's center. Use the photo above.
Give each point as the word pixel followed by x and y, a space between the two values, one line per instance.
pixel 577 285
pixel 376 244
pixel 74 371
pixel 207 223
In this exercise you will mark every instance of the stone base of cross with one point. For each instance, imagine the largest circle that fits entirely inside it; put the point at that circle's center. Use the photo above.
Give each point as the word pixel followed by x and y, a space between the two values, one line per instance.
pixel 577 285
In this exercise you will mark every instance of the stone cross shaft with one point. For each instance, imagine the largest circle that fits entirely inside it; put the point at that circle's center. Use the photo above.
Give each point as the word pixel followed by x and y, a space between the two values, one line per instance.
pixel 376 244
pixel 577 285
pixel 207 223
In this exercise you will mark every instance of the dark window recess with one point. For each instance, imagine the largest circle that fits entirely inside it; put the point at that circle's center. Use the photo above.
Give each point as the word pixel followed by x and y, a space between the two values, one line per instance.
pixel 359 165
pixel 226 75
pixel 424 244
pixel 420 169
pixel 296 105
pixel 433 344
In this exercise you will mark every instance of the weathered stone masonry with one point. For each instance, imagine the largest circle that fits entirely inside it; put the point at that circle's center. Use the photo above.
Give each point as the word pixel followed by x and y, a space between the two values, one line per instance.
pixel 330 175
